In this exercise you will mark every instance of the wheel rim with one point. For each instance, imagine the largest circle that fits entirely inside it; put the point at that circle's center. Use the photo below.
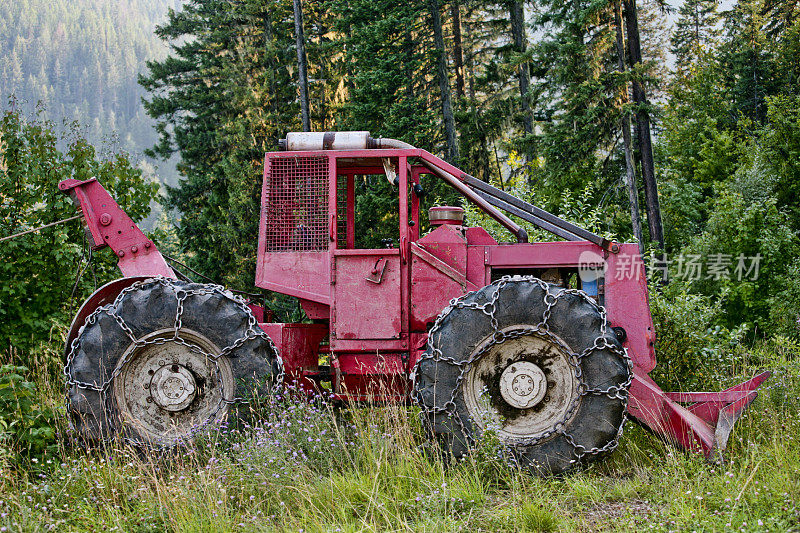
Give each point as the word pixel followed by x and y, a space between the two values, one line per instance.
pixel 524 388
pixel 166 390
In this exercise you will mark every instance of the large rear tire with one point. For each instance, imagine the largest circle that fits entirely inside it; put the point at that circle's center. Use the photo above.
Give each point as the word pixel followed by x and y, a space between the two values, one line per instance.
pixel 536 364
pixel 166 360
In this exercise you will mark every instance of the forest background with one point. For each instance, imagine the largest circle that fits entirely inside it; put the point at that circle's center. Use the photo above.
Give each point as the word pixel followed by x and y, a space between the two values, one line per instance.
pixel 585 108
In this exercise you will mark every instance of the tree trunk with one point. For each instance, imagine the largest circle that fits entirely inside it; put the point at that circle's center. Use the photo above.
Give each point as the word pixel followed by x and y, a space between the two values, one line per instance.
pixel 348 65
pixel 323 74
pixel 517 16
pixel 302 65
pixel 469 62
pixel 269 62
pixel 630 165
pixel 444 84
pixel 482 147
pixel 643 128
pixel 408 50
pixel 458 54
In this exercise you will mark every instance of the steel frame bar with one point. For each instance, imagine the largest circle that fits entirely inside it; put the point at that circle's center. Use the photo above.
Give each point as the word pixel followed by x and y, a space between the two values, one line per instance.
pixel 537 214
pixel 703 426
pixel 526 216
pixel 109 225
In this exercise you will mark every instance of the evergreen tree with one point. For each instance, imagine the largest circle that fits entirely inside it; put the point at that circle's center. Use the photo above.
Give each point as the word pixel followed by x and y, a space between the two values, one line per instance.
pixel 780 16
pixel 696 31
pixel 221 100
pixel 390 58
pixel 577 87
pixel 487 115
pixel 451 144
pixel 747 61
pixel 302 64
pixel 646 158
pixel 581 99
pixel 516 15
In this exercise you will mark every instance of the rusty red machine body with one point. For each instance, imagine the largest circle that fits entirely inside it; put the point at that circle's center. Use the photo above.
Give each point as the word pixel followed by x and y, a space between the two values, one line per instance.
pixel 370 309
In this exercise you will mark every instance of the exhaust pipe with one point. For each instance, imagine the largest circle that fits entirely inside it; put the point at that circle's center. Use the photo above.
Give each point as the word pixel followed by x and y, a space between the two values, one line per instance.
pixel 297 141
pixel 329 140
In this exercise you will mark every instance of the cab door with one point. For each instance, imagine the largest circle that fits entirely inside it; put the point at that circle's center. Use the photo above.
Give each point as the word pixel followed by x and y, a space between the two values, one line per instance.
pixel 366 295
pixel 368 284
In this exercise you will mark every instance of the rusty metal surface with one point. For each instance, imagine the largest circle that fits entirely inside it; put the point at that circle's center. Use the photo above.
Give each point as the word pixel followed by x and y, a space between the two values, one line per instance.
pixel 299 345
pixel 371 377
pixel 628 306
pixel 553 395
pixel 366 302
pixel 305 275
pixel 156 389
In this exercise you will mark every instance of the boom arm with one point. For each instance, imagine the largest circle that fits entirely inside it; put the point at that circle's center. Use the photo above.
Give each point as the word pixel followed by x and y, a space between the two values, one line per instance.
pixel 108 225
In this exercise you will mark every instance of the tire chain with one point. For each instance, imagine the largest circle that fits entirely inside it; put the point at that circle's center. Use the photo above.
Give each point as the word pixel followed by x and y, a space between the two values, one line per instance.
pixel 616 392
pixel 253 331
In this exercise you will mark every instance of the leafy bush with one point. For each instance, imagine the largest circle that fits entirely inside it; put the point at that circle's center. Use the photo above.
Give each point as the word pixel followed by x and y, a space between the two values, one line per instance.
pixel 37 271
pixel 693 351
pixel 580 208
pixel 766 299
pixel 27 428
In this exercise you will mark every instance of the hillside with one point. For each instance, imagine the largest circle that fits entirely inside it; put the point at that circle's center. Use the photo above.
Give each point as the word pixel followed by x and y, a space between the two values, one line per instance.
pixel 81 58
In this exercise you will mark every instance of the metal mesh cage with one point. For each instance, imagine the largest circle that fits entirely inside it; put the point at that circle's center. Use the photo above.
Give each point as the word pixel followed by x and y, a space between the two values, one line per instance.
pixel 296 204
pixel 341 210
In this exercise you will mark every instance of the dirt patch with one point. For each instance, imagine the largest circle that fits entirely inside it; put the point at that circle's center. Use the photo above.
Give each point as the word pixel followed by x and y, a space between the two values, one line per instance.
pixel 602 516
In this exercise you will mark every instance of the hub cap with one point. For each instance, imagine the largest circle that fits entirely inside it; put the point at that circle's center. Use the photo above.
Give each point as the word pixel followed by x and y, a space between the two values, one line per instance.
pixel 524 387
pixel 173 387
pixel 523 384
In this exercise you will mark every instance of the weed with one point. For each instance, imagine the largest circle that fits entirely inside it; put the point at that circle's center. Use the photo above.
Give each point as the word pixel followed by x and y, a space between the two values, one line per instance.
pixel 313 467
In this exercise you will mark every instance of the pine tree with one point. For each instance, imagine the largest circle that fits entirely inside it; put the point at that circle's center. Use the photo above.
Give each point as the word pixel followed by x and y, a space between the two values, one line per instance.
pixel 696 31
pixel 221 100
pixel 388 51
pixel 780 16
pixel 576 88
pixel 519 37
pixel 451 143
pixel 747 61
pixel 489 115
pixel 642 128
pixel 581 102
pixel 81 54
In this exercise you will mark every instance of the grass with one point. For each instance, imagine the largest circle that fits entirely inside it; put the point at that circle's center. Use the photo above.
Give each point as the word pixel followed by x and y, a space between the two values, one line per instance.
pixel 307 467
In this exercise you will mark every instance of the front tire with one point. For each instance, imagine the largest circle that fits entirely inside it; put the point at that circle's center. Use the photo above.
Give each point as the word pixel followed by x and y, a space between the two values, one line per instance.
pixel 166 360
pixel 534 363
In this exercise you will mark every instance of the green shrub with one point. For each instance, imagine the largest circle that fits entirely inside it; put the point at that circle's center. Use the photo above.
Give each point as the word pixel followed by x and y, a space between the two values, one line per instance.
pixel 747 227
pixel 693 351
pixel 38 270
pixel 27 429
